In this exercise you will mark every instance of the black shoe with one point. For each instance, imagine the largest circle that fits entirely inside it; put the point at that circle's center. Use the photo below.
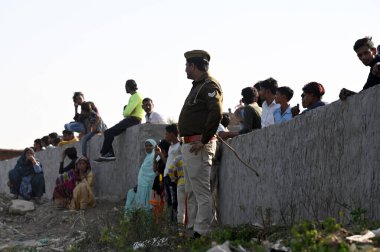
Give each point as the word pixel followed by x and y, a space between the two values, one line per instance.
pixel 196 235
pixel 106 157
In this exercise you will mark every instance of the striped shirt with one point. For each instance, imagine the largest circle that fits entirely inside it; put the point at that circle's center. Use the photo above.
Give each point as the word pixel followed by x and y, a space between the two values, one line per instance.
pixel 176 172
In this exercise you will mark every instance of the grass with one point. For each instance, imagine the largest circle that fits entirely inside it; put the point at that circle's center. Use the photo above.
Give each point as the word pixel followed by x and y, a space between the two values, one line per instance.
pixel 138 226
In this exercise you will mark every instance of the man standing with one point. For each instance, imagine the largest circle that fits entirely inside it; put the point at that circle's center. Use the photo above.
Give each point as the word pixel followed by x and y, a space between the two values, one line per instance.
pixel 133 114
pixel 366 52
pixel 252 114
pixel 171 135
pixel 151 116
pixel 268 89
pixel 198 122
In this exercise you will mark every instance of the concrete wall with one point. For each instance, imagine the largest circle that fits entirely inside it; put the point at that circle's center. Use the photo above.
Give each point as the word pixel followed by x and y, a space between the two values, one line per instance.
pixel 112 179
pixel 315 166
pixel 312 167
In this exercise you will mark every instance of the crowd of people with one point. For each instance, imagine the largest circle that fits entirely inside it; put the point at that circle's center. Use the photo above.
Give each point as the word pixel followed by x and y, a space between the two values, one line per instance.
pixel 175 174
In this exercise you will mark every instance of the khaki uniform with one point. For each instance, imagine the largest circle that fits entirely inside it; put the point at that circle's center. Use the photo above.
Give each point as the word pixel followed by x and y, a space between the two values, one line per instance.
pixel 200 115
pixel 202 111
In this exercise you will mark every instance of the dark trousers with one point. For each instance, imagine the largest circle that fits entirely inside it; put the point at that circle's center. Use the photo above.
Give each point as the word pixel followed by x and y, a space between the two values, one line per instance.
pixel 116 130
pixel 171 197
pixel 37 182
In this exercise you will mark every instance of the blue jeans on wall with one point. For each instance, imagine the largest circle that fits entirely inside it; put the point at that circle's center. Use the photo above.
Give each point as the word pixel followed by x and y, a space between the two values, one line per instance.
pixel 84 141
pixel 75 127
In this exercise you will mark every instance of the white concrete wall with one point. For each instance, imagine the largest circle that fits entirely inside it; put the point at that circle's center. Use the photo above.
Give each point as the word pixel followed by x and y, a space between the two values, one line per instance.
pixel 321 164
pixel 112 179
pixel 313 167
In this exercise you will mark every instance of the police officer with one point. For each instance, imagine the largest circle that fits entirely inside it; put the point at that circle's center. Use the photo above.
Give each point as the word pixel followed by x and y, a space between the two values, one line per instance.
pixel 198 122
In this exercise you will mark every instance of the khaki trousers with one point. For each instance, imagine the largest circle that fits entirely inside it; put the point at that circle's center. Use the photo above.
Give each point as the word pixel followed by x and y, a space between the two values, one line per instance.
pixel 197 186
pixel 181 204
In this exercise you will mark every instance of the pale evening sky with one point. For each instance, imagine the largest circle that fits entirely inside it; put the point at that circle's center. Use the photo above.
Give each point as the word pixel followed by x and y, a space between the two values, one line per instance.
pixel 50 49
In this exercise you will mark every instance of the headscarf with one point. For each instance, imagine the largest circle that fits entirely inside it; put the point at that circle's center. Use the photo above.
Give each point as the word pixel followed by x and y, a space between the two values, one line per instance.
pixel 77 173
pixel 146 173
pixel 23 165
pixel 86 160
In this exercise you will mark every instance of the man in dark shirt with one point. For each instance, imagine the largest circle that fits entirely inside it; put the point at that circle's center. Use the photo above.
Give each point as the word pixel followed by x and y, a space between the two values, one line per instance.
pixel 367 53
pixel 252 114
pixel 198 122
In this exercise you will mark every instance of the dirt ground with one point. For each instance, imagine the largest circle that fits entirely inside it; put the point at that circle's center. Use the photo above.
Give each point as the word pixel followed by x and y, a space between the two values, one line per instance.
pixel 49 228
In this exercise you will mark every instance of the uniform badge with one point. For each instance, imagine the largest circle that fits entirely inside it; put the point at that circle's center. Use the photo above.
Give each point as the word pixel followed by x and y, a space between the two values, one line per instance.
pixel 212 94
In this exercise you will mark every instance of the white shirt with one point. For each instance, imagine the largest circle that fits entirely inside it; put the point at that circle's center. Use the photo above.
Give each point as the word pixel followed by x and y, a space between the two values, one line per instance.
pixel 267 114
pixel 222 128
pixel 154 117
pixel 171 155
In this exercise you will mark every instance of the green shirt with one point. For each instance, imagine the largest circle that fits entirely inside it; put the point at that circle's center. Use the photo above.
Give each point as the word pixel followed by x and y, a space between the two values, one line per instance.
pixel 252 118
pixel 134 107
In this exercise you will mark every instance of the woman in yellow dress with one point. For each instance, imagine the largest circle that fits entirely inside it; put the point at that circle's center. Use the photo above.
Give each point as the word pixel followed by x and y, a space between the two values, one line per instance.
pixel 83 196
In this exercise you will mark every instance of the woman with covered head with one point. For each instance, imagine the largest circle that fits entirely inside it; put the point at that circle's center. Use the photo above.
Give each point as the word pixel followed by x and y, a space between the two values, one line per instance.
pixel 82 195
pixel 73 188
pixel 139 197
pixel 27 179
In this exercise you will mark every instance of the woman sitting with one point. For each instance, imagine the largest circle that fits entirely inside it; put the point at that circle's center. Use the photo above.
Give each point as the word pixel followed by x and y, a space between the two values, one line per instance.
pixel 74 188
pixel 27 179
pixel 139 197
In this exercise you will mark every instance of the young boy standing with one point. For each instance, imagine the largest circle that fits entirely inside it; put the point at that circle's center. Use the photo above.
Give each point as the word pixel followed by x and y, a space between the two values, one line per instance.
pixel 283 113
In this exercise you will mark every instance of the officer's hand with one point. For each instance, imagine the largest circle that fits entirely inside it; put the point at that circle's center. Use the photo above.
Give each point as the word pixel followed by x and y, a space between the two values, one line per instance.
pixel 196 146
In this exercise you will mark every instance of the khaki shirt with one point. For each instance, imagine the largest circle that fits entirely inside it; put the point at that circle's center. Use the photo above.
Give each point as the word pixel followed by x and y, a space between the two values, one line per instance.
pixel 202 110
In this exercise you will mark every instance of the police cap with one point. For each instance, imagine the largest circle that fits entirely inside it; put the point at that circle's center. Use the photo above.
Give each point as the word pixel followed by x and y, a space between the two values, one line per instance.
pixel 198 54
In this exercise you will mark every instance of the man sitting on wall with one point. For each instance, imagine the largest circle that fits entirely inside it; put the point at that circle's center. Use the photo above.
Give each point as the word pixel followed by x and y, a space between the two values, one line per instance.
pixel 367 54
pixel 133 114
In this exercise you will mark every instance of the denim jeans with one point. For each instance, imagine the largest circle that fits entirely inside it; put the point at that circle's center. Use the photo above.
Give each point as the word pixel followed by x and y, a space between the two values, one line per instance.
pixel 75 127
pixel 84 141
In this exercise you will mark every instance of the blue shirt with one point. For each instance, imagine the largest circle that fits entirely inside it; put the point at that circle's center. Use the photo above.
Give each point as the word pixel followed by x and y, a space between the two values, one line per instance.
pixel 279 118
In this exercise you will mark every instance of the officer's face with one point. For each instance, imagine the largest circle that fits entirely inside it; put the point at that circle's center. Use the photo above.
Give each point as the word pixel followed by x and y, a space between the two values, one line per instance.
pixel 366 55
pixel 189 70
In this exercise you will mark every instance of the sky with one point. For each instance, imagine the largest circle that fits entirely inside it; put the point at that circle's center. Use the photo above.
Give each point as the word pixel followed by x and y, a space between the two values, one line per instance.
pixel 50 49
